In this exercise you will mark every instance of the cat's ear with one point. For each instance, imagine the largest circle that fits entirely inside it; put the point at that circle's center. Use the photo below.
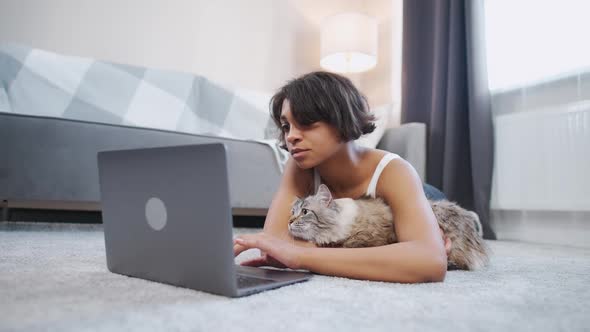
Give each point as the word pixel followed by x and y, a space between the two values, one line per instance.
pixel 324 195
pixel 297 199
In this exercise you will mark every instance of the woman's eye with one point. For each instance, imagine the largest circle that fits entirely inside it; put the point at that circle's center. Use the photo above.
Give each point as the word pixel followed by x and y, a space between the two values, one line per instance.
pixel 285 127
pixel 304 211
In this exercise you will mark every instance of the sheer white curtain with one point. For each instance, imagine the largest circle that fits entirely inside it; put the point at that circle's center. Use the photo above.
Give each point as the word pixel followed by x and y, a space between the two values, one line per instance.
pixel 538 57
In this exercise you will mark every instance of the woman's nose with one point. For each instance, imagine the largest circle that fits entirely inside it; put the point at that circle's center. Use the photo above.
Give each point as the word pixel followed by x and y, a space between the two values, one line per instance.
pixel 293 135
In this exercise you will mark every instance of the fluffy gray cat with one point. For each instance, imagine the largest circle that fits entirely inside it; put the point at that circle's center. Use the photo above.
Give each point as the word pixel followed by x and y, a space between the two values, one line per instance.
pixel 368 222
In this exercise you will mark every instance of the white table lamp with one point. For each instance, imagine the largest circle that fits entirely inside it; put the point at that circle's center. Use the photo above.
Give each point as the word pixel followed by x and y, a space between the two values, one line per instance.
pixel 349 43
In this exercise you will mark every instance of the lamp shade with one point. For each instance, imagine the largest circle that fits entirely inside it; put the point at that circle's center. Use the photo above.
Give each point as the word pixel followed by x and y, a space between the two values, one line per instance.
pixel 348 43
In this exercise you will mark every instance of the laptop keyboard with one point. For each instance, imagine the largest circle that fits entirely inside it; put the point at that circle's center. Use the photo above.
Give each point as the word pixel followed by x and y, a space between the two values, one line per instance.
pixel 248 281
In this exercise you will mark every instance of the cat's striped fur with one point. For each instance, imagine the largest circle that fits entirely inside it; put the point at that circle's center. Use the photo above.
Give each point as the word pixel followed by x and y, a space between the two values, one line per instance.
pixel 368 222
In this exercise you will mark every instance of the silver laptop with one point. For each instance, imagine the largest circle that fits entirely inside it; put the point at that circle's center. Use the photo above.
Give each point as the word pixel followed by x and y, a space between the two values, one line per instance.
pixel 167 218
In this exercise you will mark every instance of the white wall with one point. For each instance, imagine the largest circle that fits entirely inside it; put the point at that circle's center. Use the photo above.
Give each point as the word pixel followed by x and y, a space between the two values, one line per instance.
pixel 383 83
pixel 254 44
pixel 134 32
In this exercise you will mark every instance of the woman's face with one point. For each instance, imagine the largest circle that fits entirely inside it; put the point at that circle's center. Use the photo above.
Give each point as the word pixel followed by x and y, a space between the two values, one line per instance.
pixel 308 145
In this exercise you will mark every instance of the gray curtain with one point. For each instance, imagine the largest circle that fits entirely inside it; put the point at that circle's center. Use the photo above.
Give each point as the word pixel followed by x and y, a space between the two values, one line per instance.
pixel 444 84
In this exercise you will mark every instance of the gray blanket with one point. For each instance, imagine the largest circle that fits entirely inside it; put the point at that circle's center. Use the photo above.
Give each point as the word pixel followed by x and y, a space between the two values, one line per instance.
pixel 42 83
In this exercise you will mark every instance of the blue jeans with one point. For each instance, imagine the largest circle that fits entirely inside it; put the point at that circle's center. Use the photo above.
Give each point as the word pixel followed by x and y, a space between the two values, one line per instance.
pixel 433 193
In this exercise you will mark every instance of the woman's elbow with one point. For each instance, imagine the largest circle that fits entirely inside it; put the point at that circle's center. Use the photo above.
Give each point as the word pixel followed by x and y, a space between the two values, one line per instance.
pixel 439 271
pixel 436 269
pixel 431 271
pixel 433 267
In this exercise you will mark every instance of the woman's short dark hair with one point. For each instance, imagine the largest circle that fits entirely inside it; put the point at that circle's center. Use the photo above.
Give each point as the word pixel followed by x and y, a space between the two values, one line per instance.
pixel 328 97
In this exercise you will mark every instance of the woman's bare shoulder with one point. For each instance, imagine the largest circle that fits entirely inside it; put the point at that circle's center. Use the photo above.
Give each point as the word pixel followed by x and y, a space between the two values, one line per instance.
pixel 398 176
pixel 374 156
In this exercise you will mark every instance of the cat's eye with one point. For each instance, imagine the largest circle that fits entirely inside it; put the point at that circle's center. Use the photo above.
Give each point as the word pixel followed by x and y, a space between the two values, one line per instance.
pixel 304 211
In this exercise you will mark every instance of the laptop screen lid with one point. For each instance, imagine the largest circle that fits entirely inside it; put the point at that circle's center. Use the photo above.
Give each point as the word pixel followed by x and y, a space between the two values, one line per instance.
pixel 167 215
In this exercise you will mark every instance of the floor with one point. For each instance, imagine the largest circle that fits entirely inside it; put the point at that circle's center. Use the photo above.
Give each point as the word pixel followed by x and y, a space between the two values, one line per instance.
pixel 54 277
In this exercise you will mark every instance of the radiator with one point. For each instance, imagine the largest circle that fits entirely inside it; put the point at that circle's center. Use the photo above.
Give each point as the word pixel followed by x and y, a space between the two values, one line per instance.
pixel 542 159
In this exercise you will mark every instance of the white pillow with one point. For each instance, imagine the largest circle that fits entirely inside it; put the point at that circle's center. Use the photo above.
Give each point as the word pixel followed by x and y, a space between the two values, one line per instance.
pixel 382 113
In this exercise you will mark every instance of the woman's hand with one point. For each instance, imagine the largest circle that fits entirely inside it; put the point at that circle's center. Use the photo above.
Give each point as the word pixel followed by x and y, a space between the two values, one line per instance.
pixel 275 251
pixel 263 260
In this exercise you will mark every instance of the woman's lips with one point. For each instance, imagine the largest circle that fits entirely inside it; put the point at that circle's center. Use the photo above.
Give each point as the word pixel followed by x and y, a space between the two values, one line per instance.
pixel 300 154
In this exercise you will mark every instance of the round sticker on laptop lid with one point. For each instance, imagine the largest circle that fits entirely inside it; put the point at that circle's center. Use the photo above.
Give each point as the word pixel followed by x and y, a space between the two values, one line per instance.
pixel 155 213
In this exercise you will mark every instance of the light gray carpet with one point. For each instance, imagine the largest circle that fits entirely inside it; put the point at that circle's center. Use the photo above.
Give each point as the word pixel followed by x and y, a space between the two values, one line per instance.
pixel 55 278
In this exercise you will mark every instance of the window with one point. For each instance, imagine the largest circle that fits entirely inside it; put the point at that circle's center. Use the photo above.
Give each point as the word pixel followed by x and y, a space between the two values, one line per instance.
pixel 531 41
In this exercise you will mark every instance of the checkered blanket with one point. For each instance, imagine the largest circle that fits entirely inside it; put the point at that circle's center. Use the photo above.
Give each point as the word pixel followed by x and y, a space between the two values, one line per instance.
pixel 37 82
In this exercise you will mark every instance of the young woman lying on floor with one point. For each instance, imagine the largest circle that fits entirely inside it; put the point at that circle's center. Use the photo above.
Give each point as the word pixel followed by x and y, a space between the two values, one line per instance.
pixel 321 115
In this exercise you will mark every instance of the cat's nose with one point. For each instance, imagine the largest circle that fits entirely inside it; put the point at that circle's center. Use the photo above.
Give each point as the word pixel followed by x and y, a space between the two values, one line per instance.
pixel 291 220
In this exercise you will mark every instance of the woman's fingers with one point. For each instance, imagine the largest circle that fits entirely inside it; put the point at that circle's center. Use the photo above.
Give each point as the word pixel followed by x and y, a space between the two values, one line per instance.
pixel 253 241
pixel 259 261
pixel 276 252
pixel 238 249
pixel 243 243
pixel 269 247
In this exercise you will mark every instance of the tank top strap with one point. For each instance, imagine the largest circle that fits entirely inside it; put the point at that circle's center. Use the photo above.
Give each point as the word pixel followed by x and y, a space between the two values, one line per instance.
pixel 372 185
pixel 371 190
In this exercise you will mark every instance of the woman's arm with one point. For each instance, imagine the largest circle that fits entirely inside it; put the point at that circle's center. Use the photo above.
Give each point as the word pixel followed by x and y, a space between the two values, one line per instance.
pixel 295 182
pixel 407 262
pixel 419 256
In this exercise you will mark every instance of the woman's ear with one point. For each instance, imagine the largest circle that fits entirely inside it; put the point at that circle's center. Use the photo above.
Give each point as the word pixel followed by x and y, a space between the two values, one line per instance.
pixel 324 195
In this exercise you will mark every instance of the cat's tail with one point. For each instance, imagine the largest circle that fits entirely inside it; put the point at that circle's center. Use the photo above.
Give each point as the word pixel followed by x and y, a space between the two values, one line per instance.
pixel 471 253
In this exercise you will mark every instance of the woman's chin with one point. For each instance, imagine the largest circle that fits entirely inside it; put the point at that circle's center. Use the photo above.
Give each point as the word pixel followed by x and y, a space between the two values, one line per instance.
pixel 305 163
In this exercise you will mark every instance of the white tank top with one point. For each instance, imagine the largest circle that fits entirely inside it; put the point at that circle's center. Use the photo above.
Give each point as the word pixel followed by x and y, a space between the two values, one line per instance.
pixel 373 184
